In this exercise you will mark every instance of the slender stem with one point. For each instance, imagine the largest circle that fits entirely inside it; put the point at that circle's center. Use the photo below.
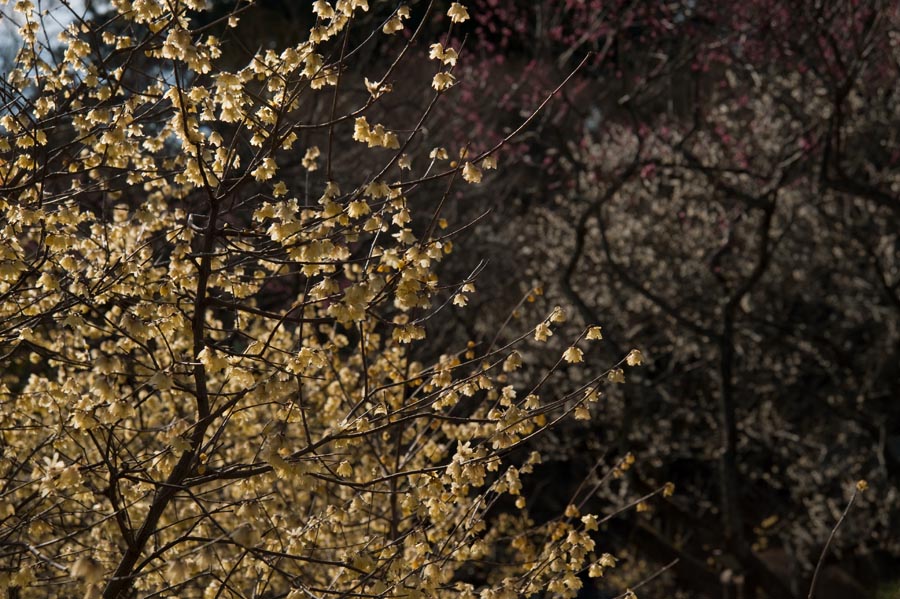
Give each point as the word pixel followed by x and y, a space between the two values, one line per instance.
pixel 815 578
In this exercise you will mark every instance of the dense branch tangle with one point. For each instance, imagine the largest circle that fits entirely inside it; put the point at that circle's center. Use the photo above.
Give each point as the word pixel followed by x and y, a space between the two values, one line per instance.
pixel 210 383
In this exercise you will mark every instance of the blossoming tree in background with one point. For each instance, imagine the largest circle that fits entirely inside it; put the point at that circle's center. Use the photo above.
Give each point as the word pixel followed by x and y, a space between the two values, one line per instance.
pixel 721 184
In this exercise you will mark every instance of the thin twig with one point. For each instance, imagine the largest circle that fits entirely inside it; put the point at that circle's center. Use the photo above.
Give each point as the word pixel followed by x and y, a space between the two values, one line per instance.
pixel 860 486
pixel 648 579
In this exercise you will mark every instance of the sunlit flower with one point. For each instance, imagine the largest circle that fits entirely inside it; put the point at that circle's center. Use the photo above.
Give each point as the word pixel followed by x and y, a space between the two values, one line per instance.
pixel 634 358
pixel 542 332
pixel 442 81
pixel 471 173
pixel 573 355
pixel 458 13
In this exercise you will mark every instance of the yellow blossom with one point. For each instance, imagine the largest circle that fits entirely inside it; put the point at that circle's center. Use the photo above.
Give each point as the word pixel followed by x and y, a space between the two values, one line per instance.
pixel 512 362
pixel 458 13
pixel 557 315
pixel 442 81
pixel 323 9
pixel 266 170
pixel 634 358
pixel 393 25
pixel 357 208
pixel 607 560
pixel 471 173
pixel 573 355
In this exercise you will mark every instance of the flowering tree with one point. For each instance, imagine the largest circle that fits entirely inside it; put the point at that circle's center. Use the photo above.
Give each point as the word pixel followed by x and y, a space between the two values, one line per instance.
pixel 720 188
pixel 215 290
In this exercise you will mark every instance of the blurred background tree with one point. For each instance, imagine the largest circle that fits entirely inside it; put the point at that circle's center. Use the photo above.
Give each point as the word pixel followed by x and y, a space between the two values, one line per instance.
pixel 720 189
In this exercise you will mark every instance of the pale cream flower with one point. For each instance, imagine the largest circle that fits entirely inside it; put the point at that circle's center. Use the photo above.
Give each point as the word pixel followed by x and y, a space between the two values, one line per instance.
pixel 513 362
pixel 471 173
pixel 442 81
pixel 573 355
pixel 344 469
pixel 458 13
pixel 557 315
pixel 393 25
pixel 322 9
pixel 634 358
pixel 439 154
pixel 357 208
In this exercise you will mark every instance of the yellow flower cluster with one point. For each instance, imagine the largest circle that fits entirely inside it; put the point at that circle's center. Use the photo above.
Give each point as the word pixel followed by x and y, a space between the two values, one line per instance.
pixel 212 383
